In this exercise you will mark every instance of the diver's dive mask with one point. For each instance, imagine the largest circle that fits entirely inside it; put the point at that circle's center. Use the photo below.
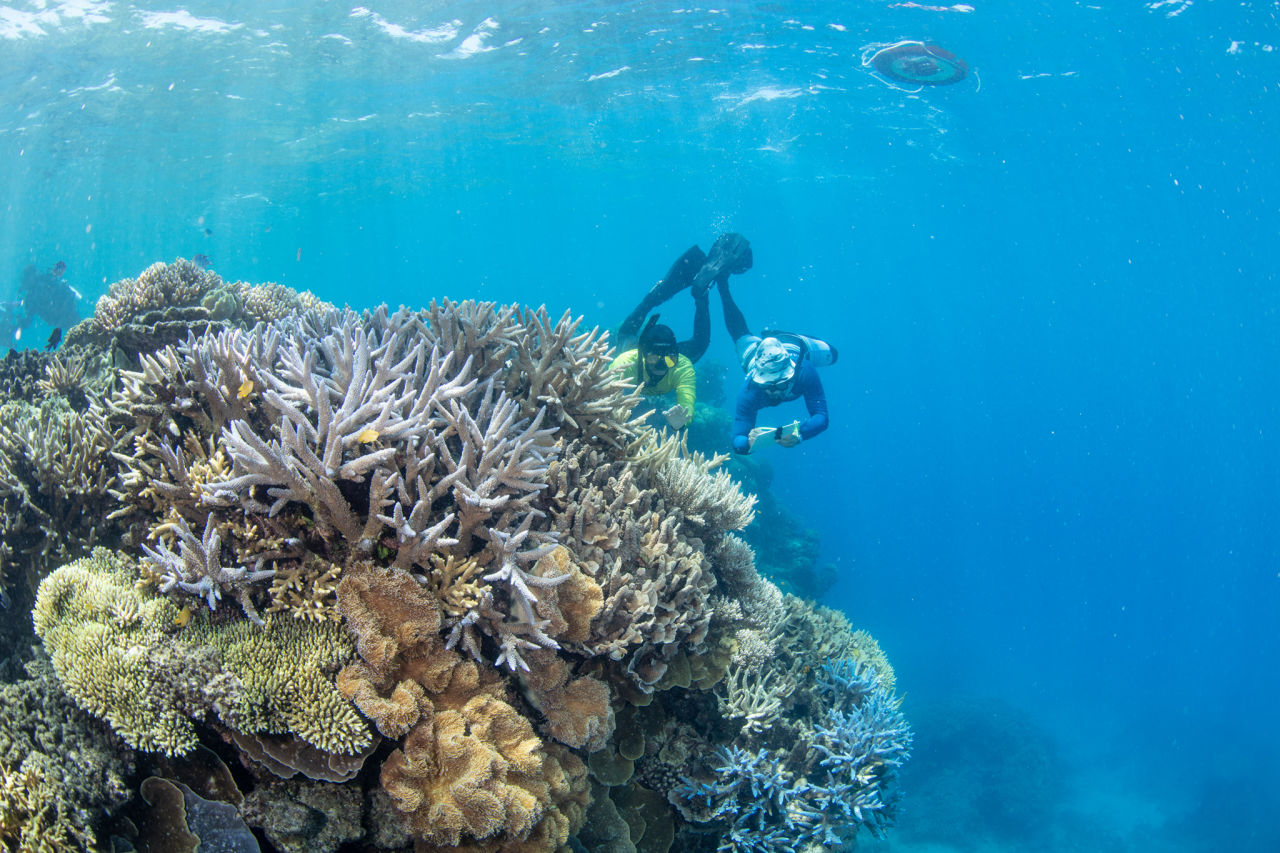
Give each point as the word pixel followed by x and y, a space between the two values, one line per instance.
pixel 653 359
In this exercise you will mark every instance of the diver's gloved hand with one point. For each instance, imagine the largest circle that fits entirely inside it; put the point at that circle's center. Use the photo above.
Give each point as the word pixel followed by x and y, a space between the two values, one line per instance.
pixel 729 255
pixel 676 416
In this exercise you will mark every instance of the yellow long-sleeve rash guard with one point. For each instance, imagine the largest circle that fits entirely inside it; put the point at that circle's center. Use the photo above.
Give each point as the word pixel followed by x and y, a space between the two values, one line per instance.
pixel 682 378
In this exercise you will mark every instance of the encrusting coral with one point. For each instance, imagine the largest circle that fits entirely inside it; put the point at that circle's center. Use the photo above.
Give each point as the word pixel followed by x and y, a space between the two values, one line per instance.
pixel 445 529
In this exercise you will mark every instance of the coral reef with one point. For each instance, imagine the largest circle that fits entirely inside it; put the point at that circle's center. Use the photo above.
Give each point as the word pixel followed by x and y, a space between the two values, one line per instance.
pixel 61 772
pixel 56 475
pixel 169 301
pixel 475 600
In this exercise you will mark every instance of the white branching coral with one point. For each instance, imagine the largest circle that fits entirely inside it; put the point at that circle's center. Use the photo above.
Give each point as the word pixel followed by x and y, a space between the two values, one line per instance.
pixel 710 499
pixel 197 569
pixel 754 696
pixel 760 602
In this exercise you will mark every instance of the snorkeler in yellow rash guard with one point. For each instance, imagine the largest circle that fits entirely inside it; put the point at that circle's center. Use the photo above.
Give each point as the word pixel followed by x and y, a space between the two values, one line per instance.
pixel 658 367
pixel 652 357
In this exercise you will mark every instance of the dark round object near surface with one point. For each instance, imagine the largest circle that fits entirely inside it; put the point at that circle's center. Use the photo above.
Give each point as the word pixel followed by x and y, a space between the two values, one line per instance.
pixel 919 63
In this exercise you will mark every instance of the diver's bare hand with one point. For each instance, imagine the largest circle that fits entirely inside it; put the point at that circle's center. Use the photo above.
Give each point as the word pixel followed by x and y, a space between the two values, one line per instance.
pixel 786 438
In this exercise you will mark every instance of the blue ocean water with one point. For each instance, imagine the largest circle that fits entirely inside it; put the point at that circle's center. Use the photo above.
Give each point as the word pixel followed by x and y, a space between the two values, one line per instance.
pixel 1050 484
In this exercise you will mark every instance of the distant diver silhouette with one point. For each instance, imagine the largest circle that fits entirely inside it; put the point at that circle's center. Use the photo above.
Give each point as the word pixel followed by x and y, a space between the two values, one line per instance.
pixel 915 64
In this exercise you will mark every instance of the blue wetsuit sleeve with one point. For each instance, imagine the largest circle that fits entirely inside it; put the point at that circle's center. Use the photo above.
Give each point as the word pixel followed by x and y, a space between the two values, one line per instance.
pixel 744 419
pixel 815 400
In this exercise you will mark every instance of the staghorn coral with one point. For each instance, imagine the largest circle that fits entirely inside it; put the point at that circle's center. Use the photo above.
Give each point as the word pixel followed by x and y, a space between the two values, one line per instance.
pixel 360 422
pixel 751 648
pixel 197 569
pixel 760 603
pixel 821 634
pixel 566 371
pixel 540 363
pixel 456 585
pixel 159 480
pixel 66 379
pixel 307 590
pixel 755 697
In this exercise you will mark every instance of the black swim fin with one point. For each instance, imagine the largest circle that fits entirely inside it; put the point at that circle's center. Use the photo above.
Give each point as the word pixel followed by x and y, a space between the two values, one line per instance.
pixel 730 255
pixel 677 279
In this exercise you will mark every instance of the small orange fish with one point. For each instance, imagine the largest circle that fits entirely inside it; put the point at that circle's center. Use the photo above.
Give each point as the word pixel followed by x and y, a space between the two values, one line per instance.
pixel 183 617
pixel 246 388
pixel 368 436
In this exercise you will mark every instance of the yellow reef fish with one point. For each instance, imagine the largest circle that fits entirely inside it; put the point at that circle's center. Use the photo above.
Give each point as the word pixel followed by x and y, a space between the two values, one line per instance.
pixel 183 617
pixel 368 436
pixel 246 388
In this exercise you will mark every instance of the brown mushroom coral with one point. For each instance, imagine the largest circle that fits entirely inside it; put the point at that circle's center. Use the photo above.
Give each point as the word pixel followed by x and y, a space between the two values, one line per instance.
pixel 478 772
pixel 578 710
pixel 396 624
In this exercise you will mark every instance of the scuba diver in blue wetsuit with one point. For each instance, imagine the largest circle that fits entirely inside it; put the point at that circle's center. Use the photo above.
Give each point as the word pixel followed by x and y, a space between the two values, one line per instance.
pixel 780 367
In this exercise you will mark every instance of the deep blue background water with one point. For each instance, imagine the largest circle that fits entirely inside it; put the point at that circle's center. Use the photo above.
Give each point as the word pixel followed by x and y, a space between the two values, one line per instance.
pixel 1051 478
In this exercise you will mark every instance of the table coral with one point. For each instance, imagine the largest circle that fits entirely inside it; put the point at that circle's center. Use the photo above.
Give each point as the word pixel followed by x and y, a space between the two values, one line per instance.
pixel 113 648
pixel 110 649
pixel 283 669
